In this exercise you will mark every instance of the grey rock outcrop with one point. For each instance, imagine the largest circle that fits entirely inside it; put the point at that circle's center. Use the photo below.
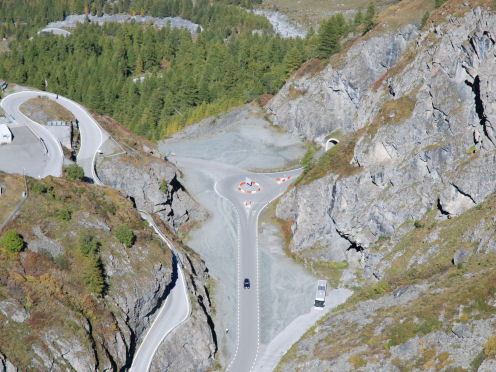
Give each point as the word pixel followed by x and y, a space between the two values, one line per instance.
pixel 142 183
pixel 487 365
pixel 13 310
pixel 428 146
pixel 461 256
pixel 192 346
pixel 5 365
pixel 45 244
pixel 331 98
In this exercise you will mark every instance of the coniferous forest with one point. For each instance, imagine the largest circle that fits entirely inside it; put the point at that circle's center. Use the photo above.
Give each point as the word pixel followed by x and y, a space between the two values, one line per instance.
pixel 235 59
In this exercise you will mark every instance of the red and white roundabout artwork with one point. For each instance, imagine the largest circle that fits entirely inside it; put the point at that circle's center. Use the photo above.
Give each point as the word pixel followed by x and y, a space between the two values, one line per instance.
pixel 283 179
pixel 249 186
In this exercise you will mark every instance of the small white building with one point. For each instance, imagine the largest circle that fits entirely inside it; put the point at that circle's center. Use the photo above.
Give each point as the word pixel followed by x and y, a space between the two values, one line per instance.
pixel 5 134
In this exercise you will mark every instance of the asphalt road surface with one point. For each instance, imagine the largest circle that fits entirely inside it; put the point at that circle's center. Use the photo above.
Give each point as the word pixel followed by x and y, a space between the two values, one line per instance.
pixel 248 207
pixel 24 154
pixel 92 136
pixel 51 148
pixel 176 307
pixel 174 311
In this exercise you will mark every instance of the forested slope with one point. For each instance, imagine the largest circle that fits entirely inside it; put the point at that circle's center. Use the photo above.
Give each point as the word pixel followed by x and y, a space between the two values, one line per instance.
pixel 235 59
pixel 188 79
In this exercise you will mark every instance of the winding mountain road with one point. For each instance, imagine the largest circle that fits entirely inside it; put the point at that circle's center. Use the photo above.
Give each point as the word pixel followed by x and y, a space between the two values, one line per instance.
pixel 233 185
pixel 176 308
pixel 92 136
pixel 52 148
pixel 248 192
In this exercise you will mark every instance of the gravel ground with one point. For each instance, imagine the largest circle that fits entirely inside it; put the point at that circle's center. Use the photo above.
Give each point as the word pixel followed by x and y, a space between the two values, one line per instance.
pixel 175 22
pixel 244 139
pixel 282 25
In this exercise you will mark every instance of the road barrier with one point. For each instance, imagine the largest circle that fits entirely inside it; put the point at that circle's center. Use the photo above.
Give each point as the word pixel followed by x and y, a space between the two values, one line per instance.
pixel 281 180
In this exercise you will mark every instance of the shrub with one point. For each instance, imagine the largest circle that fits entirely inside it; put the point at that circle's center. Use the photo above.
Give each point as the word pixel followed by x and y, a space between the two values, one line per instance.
pixel 490 347
pixel 164 187
pixel 438 3
pixel 125 236
pixel 40 188
pixel 418 224
pixel 12 241
pixel 381 287
pixel 64 214
pixel 357 361
pixel 477 361
pixel 74 172
pixel 88 244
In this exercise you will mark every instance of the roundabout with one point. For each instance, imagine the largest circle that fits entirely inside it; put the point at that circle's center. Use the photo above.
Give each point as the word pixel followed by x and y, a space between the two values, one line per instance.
pixel 249 187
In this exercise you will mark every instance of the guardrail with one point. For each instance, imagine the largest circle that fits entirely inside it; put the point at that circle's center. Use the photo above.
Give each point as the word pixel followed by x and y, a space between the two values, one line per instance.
pixel 18 206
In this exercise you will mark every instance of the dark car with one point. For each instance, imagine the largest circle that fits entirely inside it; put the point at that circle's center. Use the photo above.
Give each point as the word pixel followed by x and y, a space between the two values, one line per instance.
pixel 246 283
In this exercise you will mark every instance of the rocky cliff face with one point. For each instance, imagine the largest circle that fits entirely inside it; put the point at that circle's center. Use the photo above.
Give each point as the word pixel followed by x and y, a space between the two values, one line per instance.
pixel 421 140
pixel 141 178
pixel 81 331
pixel 51 316
pixel 317 104
pixel 192 346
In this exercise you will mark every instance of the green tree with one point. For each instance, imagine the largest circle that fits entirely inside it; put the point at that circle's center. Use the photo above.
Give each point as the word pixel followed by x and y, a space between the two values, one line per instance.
pixel 293 59
pixel 369 18
pixel 328 39
pixel 358 19
pixel 125 235
pixel 93 274
pixel 12 241
pixel 308 161
pixel 88 244
pixel 425 18
pixel 74 172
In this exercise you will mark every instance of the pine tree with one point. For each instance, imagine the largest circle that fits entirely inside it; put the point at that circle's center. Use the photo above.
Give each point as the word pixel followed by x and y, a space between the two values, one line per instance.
pixel 369 18
pixel 328 39
pixel 93 274
pixel 358 17
pixel 139 65
pixel 293 59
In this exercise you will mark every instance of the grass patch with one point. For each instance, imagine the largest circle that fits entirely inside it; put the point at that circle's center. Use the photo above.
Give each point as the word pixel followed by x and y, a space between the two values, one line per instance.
pixel 336 160
pixel 294 93
pixel 393 111
pixel 13 189
pixel 331 271
pixel 43 109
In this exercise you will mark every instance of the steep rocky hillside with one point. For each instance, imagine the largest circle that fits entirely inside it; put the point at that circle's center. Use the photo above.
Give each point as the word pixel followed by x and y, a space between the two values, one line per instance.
pixel 405 197
pixel 54 311
pixel 152 185
pixel 64 306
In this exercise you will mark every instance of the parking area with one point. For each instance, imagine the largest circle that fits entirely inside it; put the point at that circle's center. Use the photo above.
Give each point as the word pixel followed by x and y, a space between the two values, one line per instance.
pixel 25 152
